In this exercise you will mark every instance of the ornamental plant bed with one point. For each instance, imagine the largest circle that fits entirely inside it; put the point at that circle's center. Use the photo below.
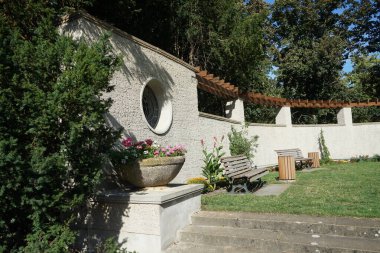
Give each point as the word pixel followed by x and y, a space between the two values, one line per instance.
pixel 147 164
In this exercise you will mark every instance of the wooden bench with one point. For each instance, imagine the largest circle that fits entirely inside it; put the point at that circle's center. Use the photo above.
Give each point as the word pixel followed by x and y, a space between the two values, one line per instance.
pixel 301 161
pixel 239 173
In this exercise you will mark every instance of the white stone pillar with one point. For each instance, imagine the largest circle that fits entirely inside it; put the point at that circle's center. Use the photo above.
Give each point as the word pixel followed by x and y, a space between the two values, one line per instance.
pixel 345 116
pixel 284 117
pixel 235 110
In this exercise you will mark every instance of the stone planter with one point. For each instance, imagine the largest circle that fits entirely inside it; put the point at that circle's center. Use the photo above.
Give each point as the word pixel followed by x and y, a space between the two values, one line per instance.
pixel 152 171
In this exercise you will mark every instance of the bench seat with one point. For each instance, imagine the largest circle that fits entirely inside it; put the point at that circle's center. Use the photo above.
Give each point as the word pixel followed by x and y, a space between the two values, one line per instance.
pixel 301 161
pixel 239 173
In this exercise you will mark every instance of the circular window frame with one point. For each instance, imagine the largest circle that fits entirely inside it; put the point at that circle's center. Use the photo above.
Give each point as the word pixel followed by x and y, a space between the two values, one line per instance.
pixel 164 106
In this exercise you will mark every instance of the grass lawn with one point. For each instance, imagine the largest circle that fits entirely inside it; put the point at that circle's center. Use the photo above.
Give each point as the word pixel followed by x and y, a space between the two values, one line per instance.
pixel 351 189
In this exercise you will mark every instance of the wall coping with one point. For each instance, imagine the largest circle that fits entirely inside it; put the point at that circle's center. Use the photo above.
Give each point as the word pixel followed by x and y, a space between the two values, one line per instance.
pixel 220 118
pixel 320 125
pixel 266 125
pixel 150 195
pixel 366 123
pixel 82 14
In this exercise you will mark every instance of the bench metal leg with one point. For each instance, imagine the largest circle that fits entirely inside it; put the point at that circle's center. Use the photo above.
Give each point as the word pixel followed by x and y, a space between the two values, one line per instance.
pixel 235 188
pixel 256 185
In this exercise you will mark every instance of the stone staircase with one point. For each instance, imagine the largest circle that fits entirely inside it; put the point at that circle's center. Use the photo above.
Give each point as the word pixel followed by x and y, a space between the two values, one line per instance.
pixel 266 233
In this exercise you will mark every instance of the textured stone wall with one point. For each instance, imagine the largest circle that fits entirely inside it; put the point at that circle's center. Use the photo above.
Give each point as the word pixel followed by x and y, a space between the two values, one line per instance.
pixel 141 63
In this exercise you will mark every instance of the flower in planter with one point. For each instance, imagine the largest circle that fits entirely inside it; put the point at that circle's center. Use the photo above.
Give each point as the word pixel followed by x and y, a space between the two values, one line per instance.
pixel 131 151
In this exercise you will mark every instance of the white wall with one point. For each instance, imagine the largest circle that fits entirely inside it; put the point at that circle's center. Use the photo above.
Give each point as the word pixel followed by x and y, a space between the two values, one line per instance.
pixel 142 61
pixel 342 141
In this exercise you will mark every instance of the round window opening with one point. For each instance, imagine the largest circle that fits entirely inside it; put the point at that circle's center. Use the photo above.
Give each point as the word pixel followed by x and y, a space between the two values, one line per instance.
pixel 150 107
pixel 156 106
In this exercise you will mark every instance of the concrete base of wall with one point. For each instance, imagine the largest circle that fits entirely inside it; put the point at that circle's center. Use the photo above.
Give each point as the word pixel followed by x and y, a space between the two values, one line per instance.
pixel 146 220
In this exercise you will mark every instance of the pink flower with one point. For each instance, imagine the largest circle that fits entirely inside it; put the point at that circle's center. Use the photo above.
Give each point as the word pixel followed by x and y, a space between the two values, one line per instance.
pixel 149 142
pixel 156 153
pixel 139 147
pixel 127 142
pixel 140 143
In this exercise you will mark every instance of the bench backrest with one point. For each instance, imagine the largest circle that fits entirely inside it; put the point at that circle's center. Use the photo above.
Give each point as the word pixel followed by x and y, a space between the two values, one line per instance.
pixel 235 165
pixel 295 152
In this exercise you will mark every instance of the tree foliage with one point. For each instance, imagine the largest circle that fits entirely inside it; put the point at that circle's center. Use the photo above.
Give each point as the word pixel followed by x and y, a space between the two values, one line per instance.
pixel 308 41
pixel 363 19
pixel 228 38
pixel 310 44
pixel 53 135
pixel 364 81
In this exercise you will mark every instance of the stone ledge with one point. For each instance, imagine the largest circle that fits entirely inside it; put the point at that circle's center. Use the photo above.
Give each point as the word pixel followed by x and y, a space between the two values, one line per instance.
pixel 216 117
pixel 266 125
pixel 150 195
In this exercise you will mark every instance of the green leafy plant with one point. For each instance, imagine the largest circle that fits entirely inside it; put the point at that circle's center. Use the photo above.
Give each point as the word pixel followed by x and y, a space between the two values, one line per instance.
pixel 325 153
pixel 212 168
pixel 241 144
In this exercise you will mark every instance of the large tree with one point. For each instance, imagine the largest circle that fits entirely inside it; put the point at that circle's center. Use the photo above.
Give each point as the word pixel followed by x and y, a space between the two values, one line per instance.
pixel 363 19
pixel 310 40
pixel 364 83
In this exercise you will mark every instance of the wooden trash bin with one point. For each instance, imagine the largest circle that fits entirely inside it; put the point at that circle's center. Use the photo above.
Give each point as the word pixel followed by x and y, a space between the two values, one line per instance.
pixel 315 157
pixel 286 168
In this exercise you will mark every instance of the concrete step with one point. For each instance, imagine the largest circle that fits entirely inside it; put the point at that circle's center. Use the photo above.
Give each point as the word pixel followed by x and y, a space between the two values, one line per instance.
pixel 183 247
pixel 340 226
pixel 196 238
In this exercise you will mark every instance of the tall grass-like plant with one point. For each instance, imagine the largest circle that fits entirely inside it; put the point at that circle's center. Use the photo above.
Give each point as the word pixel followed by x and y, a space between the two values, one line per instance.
pixel 212 169
pixel 325 153
pixel 241 143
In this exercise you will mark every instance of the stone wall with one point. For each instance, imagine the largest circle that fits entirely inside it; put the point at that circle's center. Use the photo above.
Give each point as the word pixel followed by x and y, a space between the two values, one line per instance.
pixel 343 140
pixel 142 62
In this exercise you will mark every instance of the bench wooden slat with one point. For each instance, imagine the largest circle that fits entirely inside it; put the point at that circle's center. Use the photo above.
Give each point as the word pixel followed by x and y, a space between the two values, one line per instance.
pixel 236 163
pixel 258 176
pixel 232 158
pixel 239 166
pixel 238 173
pixel 250 174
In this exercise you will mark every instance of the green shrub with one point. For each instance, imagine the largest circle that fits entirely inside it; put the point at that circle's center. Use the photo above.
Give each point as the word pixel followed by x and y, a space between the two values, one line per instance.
pixel 53 135
pixel 212 168
pixel 241 144
pixel 365 158
pixel 325 153
pixel 376 158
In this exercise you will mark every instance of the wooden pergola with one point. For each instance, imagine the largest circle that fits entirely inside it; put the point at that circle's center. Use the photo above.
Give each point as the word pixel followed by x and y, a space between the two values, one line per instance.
pixel 214 85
